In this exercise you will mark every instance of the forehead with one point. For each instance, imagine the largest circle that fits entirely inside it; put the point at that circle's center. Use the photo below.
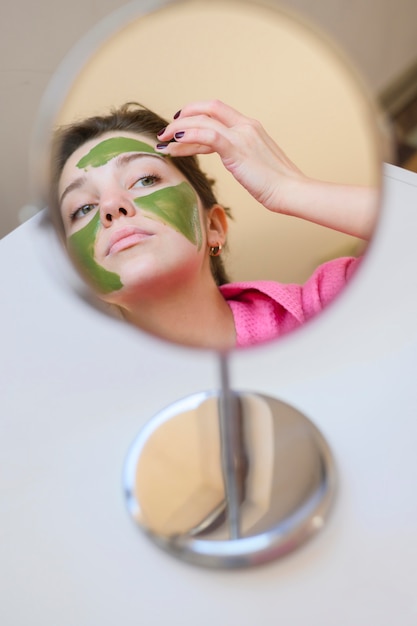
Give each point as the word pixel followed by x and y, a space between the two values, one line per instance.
pixel 99 151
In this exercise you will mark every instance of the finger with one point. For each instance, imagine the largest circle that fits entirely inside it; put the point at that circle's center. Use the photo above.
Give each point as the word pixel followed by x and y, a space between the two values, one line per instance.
pixel 215 109
pixel 194 121
pixel 178 126
pixel 175 149
pixel 198 130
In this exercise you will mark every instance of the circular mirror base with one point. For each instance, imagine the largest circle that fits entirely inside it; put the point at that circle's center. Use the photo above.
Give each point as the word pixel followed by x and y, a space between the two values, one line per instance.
pixel 176 480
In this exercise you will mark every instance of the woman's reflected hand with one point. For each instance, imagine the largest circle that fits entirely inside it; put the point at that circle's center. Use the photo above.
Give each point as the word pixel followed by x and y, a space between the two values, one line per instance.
pixel 245 148
pixel 265 171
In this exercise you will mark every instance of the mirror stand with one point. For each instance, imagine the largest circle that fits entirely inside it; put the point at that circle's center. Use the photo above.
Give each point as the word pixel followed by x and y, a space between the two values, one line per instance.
pixel 229 479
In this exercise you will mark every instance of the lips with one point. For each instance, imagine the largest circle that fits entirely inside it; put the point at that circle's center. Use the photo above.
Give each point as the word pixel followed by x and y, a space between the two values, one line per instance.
pixel 126 238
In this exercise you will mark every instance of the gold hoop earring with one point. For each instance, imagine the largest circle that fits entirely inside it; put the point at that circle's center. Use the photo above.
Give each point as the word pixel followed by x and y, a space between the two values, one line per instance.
pixel 215 250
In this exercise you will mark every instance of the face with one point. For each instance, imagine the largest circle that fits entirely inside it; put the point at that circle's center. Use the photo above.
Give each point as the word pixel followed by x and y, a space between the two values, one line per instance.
pixel 131 218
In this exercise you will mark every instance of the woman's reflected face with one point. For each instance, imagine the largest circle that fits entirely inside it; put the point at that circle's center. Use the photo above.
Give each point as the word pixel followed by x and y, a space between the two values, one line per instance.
pixel 130 217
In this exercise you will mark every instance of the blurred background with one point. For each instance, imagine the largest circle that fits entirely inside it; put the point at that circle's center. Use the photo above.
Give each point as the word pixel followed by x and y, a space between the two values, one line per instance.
pixel 380 37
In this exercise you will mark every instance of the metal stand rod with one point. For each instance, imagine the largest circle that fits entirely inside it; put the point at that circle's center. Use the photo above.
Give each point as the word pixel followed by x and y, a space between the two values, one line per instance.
pixel 230 420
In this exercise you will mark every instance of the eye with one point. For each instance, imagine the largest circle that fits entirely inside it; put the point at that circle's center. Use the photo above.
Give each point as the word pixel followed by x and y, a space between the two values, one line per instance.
pixel 82 211
pixel 147 181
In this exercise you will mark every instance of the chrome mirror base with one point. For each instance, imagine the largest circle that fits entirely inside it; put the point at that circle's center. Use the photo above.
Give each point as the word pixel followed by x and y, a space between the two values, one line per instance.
pixel 176 481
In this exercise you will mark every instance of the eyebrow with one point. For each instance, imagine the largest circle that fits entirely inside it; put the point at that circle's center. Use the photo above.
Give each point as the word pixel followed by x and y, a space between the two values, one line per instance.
pixel 76 184
pixel 120 160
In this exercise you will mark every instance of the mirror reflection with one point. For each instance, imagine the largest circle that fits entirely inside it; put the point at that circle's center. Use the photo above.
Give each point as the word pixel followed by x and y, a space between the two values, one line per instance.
pixel 141 217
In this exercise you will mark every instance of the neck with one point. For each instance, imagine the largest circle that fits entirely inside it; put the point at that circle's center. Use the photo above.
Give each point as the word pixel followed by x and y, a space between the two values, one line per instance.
pixel 196 317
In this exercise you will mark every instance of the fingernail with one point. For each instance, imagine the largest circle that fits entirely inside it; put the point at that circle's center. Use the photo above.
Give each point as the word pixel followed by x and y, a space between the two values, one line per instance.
pixel 179 134
pixel 177 114
pixel 161 132
pixel 161 146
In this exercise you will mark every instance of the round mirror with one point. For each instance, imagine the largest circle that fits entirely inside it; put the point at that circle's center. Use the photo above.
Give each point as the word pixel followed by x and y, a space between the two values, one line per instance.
pixel 151 109
pixel 290 246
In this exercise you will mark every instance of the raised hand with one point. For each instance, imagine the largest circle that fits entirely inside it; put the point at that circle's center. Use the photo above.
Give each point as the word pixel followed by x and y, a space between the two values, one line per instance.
pixel 243 145
pixel 259 165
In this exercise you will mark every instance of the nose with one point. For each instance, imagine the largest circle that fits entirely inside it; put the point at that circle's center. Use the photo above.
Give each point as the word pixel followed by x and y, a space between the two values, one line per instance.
pixel 114 206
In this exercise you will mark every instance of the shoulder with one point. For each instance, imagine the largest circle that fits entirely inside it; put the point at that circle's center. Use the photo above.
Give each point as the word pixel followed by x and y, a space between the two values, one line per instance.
pixel 263 310
pixel 327 280
pixel 266 309
pixel 326 283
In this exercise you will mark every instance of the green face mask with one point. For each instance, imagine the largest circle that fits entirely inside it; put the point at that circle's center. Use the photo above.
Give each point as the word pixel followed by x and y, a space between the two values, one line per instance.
pixel 108 149
pixel 176 206
pixel 81 246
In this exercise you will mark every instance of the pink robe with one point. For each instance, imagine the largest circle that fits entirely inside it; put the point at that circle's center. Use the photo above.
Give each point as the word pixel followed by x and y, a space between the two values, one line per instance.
pixel 264 309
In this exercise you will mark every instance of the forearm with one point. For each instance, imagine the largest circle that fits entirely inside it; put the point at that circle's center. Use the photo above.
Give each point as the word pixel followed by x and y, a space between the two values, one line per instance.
pixel 349 209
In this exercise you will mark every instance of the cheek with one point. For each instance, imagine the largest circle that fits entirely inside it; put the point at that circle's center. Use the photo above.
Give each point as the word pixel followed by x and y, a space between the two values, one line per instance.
pixel 81 246
pixel 178 208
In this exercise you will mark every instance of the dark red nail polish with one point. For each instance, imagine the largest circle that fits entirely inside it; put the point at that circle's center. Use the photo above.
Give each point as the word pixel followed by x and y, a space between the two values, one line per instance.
pixel 179 134
pixel 161 146
pixel 177 114
pixel 161 132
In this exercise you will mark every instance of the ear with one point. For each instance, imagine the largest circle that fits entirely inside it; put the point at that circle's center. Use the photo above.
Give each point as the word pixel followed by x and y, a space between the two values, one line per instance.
pixel 216 225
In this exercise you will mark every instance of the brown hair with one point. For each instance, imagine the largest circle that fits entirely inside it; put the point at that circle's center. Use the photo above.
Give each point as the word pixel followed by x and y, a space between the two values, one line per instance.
pixel 130 117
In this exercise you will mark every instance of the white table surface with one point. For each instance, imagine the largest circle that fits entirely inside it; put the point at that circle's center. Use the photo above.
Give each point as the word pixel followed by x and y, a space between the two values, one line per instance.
pixel 77 386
